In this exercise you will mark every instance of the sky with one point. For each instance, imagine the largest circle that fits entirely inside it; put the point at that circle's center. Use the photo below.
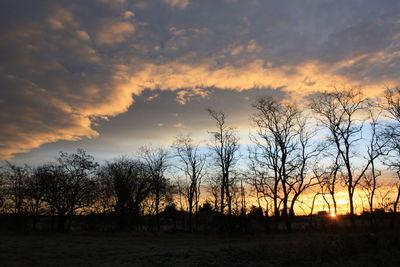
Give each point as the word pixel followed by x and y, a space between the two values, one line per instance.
pixel 112 75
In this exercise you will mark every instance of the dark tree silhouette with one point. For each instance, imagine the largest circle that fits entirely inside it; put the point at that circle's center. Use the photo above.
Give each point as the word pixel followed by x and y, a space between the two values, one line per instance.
pixel 291 156
pixel 328 178
pixel 127 183
pixel 156 162
pixel 68 185
pixel 376 148
pixel 14 180
pixel 35 194
pixel 224 146
pixel 392 107
pixel 192 165
pixel 281 159
pixel 340 112
pixel 214 191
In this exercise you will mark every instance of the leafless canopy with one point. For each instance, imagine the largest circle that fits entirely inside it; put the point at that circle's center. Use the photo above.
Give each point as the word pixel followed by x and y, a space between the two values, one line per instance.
pixel 280 161
pixel 224 145
pixel 192 165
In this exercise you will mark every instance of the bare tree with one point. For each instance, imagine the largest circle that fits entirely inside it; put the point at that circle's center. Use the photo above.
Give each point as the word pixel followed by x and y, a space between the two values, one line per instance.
pixel 242 194
pixel 14 187
pixel 35 194
pixel 214 190
pixel 225 147
pixel 376 147
pixel 307 152
pixel 282 155
pixel 179 186
pixel 341 113
pixel 392 107
pixel 331 180
pixel 328 177
pixel 128 183
pixel 105 192
pixel 68 185
pixel 238 192
pixel 156 161
pixel 266 186
pixel 192 165
pixel 15 191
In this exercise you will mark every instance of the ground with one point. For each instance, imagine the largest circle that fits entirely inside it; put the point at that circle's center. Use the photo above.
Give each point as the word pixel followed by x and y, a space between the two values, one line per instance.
pixel 179 249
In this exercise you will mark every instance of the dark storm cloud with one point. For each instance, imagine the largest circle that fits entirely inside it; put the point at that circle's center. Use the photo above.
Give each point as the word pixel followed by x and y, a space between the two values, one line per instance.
pixel 66 63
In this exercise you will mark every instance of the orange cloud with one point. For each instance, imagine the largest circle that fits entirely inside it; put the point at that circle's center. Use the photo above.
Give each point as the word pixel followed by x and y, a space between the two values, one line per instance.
pixel 73 71
pixel 94 101
pixel 299 80
pixel 83 35
pixel 60 19
pixel 20 140
pixel 177 3
pixel 185 96
pixel 113 32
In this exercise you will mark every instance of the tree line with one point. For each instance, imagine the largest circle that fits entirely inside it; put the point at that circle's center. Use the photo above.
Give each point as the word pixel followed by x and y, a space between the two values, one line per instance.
pixel 337 138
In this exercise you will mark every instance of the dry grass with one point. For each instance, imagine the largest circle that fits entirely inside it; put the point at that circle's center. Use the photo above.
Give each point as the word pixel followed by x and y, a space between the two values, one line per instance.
pixel 117 249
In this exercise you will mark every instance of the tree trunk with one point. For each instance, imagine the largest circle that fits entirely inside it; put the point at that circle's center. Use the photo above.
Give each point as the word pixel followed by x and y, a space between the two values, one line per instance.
pixel 276 213
pixel 190 215
pixel 396 202
pixel 351 214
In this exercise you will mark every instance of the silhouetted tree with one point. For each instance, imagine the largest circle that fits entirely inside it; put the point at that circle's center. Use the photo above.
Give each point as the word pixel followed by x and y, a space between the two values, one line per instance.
pixel 156 161
pixel 392 107
pixel 328 177
pixel 281 160
pixel 192 164
pixel 376 147
pixel 68 185
pixel 256 212
pixel 22 192
pixel 340 112
pixel 224 146
pixel 214 190
pixel 15 193
pixel 15 187
pixel 35 195
pixel 206 208
pixel 127 183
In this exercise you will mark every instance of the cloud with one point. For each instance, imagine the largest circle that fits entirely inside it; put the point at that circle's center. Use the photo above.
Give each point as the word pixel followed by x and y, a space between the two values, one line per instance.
pixel 65 65
pixel 60 19
pixel 298 80
pixel 177 3
pixel 41 119
pixel 113 32
pixel 54 84
pixel 179 125
pixel 128 14
pixel 184 96
pixel 83 35
pixel 152 97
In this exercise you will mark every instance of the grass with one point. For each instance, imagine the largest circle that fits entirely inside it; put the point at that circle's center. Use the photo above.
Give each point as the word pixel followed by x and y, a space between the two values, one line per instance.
pixel 119 249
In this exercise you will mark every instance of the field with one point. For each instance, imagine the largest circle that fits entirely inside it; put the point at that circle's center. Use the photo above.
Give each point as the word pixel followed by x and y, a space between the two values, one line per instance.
pixel 180 249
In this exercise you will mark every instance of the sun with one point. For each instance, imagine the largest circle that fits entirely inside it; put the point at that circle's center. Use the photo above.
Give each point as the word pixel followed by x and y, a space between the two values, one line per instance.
pixel 332 215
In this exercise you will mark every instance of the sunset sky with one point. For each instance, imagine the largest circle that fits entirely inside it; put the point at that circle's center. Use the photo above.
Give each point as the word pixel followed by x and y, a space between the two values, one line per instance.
pixel 111 75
